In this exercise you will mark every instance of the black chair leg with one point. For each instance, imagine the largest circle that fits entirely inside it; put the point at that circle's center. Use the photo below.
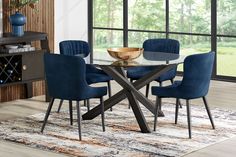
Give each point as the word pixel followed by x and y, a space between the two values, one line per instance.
pixel 102 114
pixel 176 111
pixel 109 91
pixel 189 118
pixel 71 112
pixel 172 81
pixel 208 112
pixel 156 112
pixel 85 103
pixel 47 114
pixel 88 104
pixel 79 119
pixel 147 89
pixel 59 107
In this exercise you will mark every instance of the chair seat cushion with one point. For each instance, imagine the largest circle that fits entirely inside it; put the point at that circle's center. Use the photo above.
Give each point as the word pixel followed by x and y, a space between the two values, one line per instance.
pixel 96 78
pixel 167 91
pixel 93 92
pixel 95 75
pixel 176 90
pixel 138 72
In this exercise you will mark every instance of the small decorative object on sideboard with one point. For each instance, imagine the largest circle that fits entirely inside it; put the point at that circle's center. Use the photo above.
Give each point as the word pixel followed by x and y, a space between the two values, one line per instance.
pixel 16 48
pixel 18 20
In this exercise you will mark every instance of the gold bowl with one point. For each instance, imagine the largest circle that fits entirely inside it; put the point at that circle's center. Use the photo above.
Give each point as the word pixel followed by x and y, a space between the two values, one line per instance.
pixel 125 53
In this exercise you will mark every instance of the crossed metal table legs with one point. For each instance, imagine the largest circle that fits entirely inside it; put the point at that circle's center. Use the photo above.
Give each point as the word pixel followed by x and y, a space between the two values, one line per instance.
pixel 130 91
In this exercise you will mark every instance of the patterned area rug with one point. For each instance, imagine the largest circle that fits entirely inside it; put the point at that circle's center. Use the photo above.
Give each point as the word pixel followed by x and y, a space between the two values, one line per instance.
pixel 122 136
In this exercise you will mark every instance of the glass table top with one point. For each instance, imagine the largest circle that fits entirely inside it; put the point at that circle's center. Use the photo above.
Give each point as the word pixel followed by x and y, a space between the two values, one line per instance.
pixel 146 59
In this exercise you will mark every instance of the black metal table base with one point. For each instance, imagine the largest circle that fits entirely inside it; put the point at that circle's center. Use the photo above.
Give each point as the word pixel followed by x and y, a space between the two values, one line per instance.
pixel 130 91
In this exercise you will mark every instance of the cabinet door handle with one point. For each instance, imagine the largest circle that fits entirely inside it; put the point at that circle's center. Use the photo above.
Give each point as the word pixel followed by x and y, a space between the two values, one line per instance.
pixel 24 67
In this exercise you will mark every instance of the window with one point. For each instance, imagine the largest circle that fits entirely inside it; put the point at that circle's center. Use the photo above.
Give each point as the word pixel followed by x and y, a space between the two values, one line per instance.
pixel 136 38
pixel 146 15
pixel 190 24
pixel 108 13
pixel 108 24
pixel 146 19
pixel 190 16
pixel 104 39
pixel 199 25
pixel 226 56
pixel 226 38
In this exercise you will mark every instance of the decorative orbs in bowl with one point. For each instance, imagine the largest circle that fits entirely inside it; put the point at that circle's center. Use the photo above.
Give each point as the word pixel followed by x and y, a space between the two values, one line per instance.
pixel 125 53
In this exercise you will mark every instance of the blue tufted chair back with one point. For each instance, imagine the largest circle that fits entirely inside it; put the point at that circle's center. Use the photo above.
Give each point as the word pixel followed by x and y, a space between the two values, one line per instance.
pixel 65 76
pixel 197 74
pixel 161 45
pixel 74 47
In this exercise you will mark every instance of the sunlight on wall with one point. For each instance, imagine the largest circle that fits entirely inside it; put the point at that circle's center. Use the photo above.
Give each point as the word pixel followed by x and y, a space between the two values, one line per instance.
pixel 70 21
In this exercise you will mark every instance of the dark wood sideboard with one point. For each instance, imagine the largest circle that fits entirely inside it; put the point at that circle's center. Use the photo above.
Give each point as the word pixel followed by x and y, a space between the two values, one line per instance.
pixel 23 67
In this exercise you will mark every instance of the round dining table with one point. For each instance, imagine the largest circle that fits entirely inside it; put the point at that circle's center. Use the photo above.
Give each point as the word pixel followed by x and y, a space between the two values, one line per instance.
pixel 161 62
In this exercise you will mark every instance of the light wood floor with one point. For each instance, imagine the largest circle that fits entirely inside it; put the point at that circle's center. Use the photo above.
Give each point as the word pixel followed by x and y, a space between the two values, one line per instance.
pixel 221 94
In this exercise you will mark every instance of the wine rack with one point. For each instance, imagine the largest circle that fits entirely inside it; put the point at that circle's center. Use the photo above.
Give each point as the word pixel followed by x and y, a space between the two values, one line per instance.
pixel 10 69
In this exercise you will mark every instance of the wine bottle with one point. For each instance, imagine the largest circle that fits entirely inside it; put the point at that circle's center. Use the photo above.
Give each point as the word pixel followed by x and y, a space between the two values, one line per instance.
pixel 10 71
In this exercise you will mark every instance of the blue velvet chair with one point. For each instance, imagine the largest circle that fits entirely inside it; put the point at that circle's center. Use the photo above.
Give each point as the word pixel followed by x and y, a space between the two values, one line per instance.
pixel 195 84
pixel 65 76
pixel 155 45
pixel 93 75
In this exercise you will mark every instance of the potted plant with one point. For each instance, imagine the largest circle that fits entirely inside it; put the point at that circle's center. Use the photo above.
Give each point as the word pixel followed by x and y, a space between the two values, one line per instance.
pixel 18 20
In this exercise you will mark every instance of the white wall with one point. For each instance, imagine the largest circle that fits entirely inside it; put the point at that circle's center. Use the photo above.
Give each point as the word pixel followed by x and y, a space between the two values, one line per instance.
pixel 70 21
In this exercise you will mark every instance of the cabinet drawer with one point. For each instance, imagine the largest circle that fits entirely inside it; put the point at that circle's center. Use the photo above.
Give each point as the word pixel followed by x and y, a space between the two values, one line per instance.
pixel 32 66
